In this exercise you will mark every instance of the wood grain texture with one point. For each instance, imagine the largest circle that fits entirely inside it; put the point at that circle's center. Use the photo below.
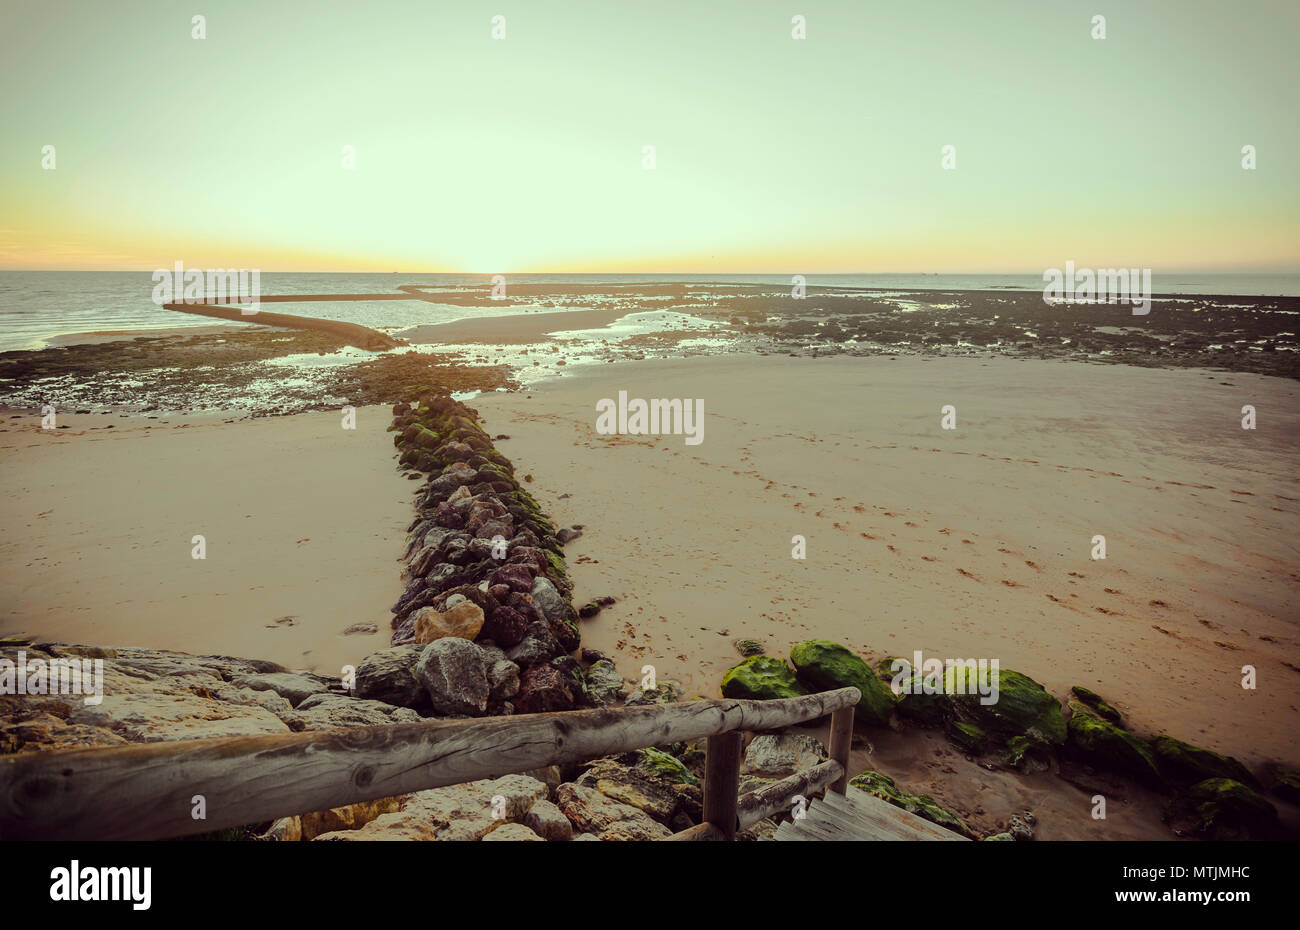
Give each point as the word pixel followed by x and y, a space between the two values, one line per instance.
pixel 778 797
pixel 146 791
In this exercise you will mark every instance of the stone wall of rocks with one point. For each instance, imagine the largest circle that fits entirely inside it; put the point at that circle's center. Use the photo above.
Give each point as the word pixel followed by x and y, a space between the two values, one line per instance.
pixel 486 624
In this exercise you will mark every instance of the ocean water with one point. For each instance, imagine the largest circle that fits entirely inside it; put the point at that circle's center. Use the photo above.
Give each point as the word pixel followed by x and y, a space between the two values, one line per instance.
pixel 36 306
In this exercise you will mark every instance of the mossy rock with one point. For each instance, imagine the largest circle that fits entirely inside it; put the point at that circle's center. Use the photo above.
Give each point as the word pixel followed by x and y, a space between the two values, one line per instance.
pixel 1094 700
pixel 824 666
pixel 1023 707
pixel 1186 764
pixel 932 710
pixel 1224 803
pixel 1103 745
pixel 657 762
pixel 1287 783
pixel 1028 754
pixel 885 668
pixel 967 736
pixel 882 786
pixel 761 678
pixel 749 647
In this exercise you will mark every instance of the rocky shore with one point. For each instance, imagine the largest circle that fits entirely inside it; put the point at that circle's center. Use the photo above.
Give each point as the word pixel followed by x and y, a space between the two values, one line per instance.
pixel 1209 795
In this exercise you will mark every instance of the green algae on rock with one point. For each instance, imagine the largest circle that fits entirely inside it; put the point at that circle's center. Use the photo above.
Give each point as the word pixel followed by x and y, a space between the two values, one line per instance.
pixel 1094 700
pixel 1226 805
pixel 1185 764
pixel 882 786
pixel 1103 745
pixel 824 666
pixel 1023 708
pixel 761 678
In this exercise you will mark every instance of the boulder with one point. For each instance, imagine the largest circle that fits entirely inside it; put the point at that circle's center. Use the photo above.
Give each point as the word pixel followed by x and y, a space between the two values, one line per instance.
pixel 779 755
pixel 1103 745
pixel 389 675
pixel 824 666
pixel 537 647
pixel 761 678
pixel 605 684
pixel 453 673
pixel 503 680
pixel 513 833
pixel 544 688
pixel 464 621
pixel 590 811
pixel 1022 708
pixel 664 692
pixel 333 711
pixel 676 804
pixel 292 687
pixel 666 767
pixel 506 627
pixel 1227 807
pixel 548 822
pixel 1185 764
pixel 1094 700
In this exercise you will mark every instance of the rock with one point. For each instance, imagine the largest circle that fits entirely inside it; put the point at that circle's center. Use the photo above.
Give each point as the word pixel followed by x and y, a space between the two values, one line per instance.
pixel 967 736
pixel 513 833
pixel 1185 764
pixel 516 577
pixel 1226 807
pixel 668 802
pixel 1023 708
pixel 506 627
pixel 1286 783
pixel 1094 700
pixel 660 764
pixel 173 715
pixel 463 621
pixel 389 675
pixel 1103 745
pixel 664 692
pixel 825 666
pixel 537 646
pixel 332 711
pixel 453 673
pixel 748 647
pixel 588 610
pixel 883 787
pixel 548 822
pixel 284 830
pixel 293 688
pixel 761 678
pixel 33 730
pixel 567 534
pixel 503 680
pixel 544 688
pixel 1021 827
pixel 361 629
pixel 348 817
pixel 456 812
pixel 605 685
pixel 1000 838
pixel 590 811
pixel 779 755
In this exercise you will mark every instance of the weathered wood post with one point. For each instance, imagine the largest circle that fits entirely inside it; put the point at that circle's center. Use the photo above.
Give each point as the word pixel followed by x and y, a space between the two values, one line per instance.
pixel 841 741
pixel 722 781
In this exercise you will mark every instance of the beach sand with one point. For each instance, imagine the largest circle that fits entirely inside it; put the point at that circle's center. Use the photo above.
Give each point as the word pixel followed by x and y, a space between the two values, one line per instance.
pixel 302 520
pixel 971 543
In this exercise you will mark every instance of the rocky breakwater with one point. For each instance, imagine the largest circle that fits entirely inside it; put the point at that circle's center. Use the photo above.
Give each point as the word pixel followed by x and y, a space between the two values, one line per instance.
pixel 486 624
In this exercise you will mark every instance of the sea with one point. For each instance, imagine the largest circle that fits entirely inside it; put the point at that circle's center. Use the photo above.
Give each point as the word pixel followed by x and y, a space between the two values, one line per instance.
pixel 37 307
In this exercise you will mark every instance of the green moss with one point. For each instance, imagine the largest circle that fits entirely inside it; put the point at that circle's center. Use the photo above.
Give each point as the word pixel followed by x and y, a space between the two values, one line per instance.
pixel 1094 700
pixel 824 666
pixel 660 763
pixel 1103 745
pixel 1185 764
pixel 1224 802
pixel 882 786
pixel 1287 783
pixel 761 678
pixel 967 736
pixel 1023 707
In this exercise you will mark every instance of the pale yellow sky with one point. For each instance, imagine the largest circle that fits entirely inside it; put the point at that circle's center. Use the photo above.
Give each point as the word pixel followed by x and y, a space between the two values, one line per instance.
pixel 772 154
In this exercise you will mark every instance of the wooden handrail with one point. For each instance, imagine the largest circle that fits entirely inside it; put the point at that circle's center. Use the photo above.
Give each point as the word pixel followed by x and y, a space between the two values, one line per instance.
pixel 147 791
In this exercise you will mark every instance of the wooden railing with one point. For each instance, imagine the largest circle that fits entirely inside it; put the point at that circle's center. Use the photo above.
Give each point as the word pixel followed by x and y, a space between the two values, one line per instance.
pixel 148 791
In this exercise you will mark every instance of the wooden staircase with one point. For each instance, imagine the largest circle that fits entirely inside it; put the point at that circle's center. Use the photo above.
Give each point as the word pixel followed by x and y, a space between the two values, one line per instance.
pixel 856 815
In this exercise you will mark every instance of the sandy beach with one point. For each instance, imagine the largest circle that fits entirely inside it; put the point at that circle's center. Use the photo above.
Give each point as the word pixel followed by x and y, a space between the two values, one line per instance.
pixel 966 543
pixel 303 522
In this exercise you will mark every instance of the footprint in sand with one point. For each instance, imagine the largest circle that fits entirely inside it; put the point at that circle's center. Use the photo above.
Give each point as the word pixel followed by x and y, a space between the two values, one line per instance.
pixel 962 571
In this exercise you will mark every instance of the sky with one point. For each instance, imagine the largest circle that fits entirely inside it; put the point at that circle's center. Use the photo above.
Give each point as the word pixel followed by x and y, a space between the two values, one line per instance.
pixel 771 154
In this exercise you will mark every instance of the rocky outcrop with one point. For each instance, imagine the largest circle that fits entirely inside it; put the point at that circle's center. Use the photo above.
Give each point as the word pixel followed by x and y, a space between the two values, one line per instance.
pixel 484 566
